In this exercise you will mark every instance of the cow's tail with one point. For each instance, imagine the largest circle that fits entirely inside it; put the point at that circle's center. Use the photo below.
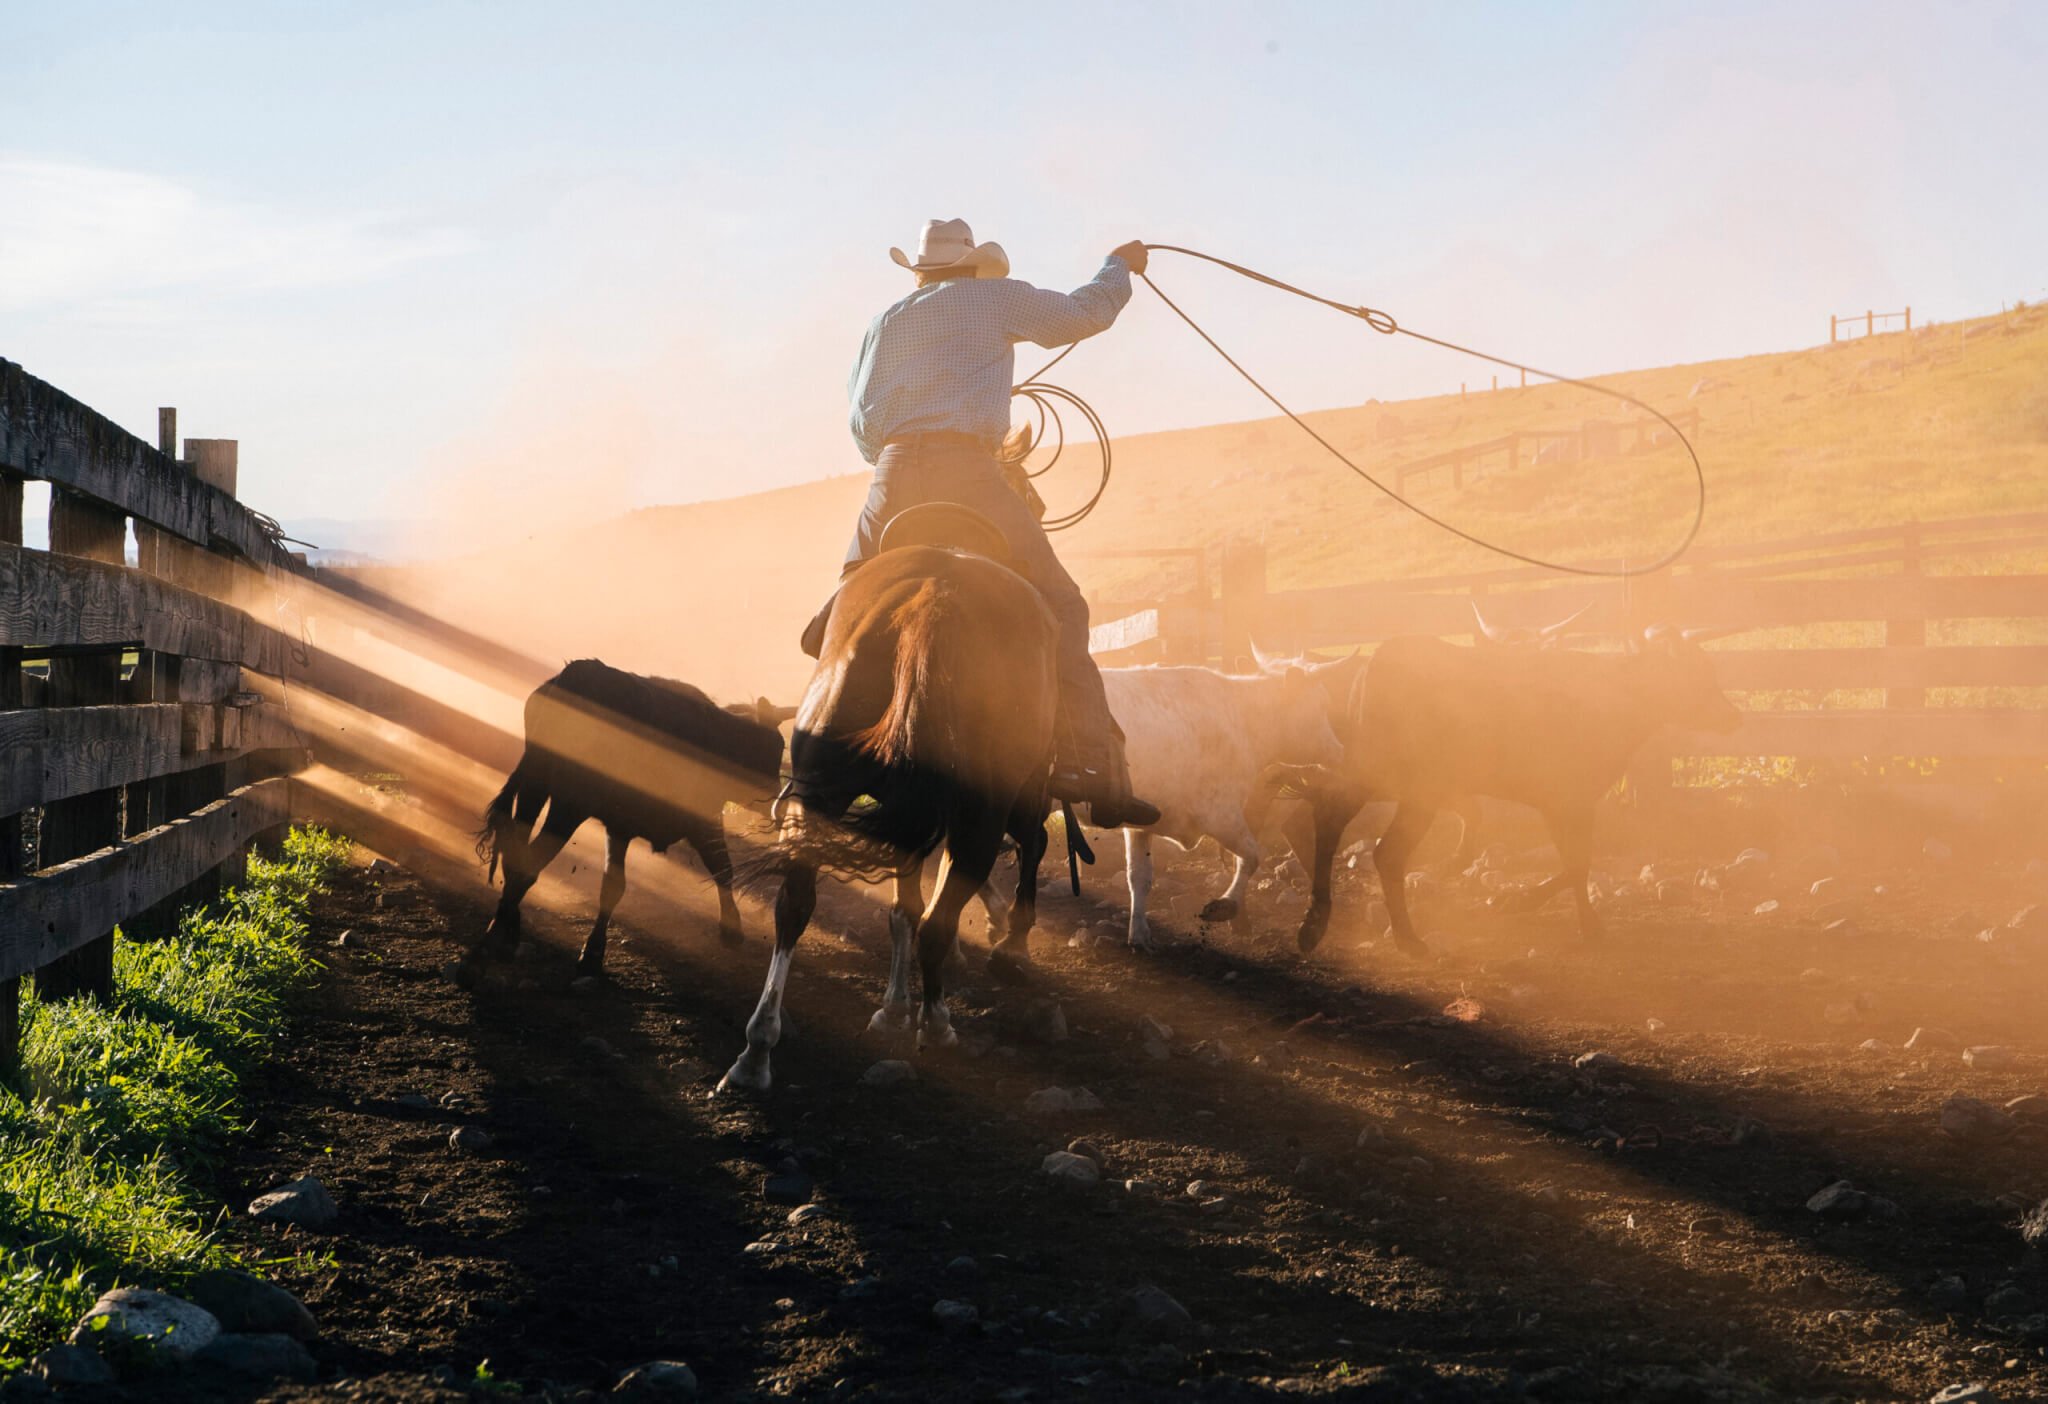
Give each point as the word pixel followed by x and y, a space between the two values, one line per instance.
pixel 497 825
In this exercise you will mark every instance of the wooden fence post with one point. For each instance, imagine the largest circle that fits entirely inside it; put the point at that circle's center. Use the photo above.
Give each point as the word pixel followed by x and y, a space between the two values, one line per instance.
pixel 11 864
pixel 1832 322
pixel 1243 586
pixel 1907 632
pixel 1909 318
pixel 83 824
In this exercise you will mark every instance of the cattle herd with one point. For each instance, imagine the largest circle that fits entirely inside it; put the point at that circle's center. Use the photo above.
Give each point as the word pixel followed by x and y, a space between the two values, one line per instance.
pixel 928 726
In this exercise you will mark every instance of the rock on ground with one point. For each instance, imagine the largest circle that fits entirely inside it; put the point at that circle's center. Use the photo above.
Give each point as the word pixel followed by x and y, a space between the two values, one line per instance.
pixel 1968 1119
pixel 163 1324
pixel 303 1202
pixel 1842 1200
pixel 890 1072
pixel 1070 1170
pixel 469 1140
pixel 67 1365
pixel 1965 1394
pixel 1989 1057
pixel 263 1355
pixel 1928 1040
pixel 1148 1311
pixel 955 1316
pixel 659 1379
pixel 242 1303
pixel 1061 1101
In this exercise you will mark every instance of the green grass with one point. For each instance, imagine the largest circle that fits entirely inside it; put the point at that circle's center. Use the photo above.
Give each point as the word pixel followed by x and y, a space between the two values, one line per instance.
pixel 122 1111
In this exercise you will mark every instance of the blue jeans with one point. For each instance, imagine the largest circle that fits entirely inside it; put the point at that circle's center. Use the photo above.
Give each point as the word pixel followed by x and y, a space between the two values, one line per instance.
pixel 960 471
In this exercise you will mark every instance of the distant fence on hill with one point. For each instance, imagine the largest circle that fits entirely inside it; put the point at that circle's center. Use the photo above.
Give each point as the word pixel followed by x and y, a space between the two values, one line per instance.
pixel 1844 328
pixel 1873 577
pixel 144 740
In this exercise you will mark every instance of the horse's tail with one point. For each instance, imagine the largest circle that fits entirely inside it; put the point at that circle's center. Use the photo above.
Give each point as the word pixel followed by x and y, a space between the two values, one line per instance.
pixel 882 791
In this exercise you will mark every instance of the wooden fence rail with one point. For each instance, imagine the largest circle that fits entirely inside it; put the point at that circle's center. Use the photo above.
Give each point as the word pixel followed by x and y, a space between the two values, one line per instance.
pixel 145 736
pixel 1895 580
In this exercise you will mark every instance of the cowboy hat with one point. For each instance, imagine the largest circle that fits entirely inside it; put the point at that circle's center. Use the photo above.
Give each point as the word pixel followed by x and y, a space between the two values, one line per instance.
pixel 949 243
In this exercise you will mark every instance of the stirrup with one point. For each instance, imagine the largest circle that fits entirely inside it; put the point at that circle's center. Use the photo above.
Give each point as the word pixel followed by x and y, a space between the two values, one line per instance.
pixel 1110 806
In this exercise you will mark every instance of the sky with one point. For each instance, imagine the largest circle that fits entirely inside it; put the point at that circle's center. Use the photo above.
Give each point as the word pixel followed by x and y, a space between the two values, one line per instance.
pixel 487 265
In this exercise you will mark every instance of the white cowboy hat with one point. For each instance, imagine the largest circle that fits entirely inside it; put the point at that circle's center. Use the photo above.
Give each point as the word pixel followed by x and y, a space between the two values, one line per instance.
pixel 949 243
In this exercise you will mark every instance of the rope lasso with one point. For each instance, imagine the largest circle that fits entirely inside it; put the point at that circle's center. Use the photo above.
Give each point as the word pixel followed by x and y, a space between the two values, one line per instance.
pixel 1384 323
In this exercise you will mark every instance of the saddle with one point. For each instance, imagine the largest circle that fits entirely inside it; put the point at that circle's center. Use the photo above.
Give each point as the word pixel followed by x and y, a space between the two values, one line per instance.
pixel 947 525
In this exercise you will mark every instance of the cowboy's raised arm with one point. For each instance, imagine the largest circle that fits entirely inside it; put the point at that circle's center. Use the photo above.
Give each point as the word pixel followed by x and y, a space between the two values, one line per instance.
pixel 1055 318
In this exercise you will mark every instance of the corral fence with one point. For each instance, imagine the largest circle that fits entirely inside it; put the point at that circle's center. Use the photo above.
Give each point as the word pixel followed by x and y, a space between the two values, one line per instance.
pixel 1845 328
pixel 145 740
pixel 1917 640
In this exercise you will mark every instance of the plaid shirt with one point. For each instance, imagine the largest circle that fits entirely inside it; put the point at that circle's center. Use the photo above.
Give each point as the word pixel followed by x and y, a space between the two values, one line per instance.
pixel 944 357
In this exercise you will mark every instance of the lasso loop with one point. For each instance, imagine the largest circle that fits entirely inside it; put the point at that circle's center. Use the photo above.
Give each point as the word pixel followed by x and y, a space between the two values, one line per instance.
pixel 1384 323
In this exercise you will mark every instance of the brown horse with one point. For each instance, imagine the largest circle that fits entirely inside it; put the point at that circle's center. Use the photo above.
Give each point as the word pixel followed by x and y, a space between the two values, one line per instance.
pixel 928 724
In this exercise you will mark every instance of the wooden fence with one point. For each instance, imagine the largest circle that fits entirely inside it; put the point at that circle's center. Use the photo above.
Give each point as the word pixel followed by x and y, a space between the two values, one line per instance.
pixel 1894 581
pixel 1844 328
pixel 144 740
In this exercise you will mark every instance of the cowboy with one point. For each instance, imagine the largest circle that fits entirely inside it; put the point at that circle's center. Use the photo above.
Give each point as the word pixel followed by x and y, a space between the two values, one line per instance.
pixel 931 405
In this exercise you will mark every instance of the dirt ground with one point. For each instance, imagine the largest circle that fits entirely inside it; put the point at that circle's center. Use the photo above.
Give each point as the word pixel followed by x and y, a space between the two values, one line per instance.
pixel 1392 1201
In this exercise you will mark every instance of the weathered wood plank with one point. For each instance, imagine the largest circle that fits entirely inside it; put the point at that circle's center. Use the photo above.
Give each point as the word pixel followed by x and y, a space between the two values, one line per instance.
pixel 46 434
pixel 60 909
pixel 56 601
pixel 1898 666
pixel 57 753
pixel 1366 614
pixel 1938 731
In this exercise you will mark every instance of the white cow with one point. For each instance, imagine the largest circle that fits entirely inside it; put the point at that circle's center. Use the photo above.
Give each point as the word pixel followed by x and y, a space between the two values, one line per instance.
pixel 1197 741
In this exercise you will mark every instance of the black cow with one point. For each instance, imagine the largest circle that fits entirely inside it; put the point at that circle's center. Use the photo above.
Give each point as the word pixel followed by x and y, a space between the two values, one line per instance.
pixel 648 758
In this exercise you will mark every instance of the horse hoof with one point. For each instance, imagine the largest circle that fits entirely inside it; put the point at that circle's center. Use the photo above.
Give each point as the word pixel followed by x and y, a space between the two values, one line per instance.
pixel 887 1020
pixel 1222 909
pixel 731 937
pixel 1007 968
pixel 1311 934
pixel 947 1037
pixel 746 1076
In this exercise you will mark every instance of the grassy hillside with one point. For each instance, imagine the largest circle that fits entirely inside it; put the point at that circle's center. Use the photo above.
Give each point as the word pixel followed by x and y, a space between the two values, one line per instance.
pixel 1951 420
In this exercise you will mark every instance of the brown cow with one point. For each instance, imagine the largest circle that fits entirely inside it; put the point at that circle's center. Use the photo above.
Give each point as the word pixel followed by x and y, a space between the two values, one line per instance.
pixel 1429 721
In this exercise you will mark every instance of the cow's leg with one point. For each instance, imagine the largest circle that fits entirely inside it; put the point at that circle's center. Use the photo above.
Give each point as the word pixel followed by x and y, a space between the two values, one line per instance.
pixel 903 914
pixel 793 907
pixel 1241 843
pixel 532 860
pixel 708 838
pixel 1390 856
pixel 591 962
pixel 1335 802
pixel 971 846
pixel 1027 829
pixel 1572 831
pixel 1138 873
pixel 1466 807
